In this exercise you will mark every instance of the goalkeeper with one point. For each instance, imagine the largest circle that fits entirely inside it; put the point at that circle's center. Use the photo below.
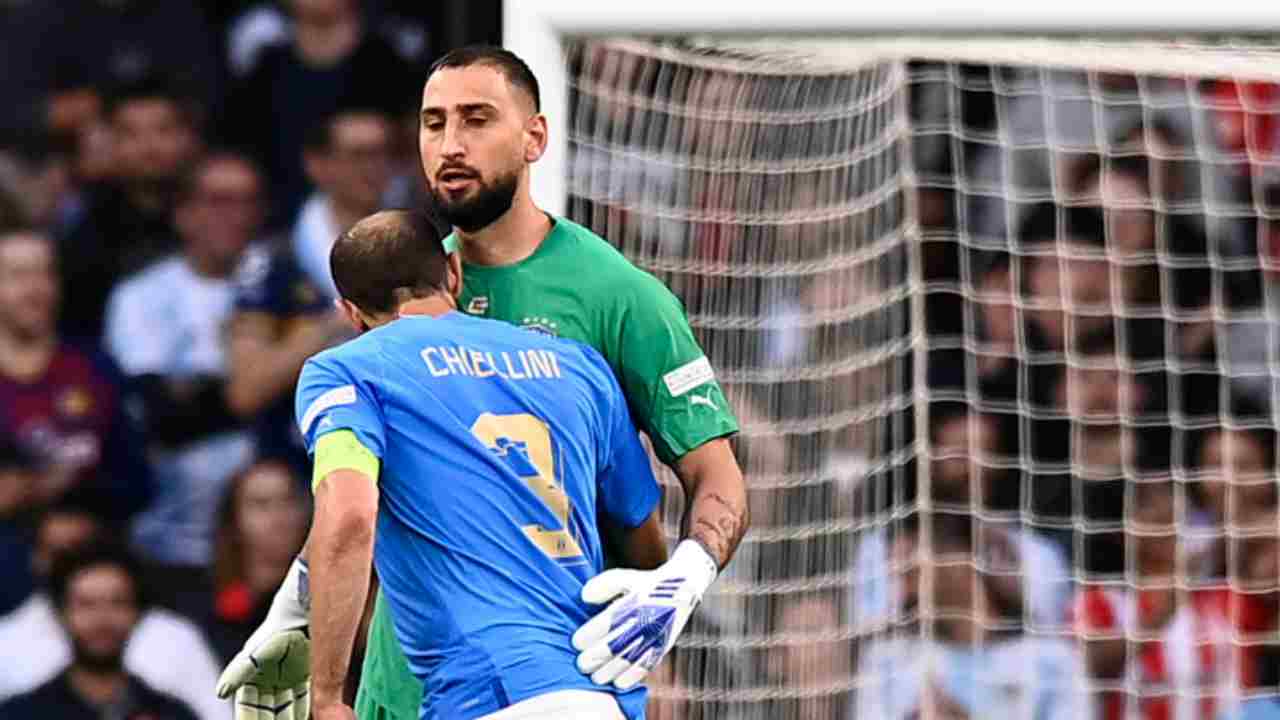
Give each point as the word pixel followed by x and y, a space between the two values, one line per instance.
pixel 481 130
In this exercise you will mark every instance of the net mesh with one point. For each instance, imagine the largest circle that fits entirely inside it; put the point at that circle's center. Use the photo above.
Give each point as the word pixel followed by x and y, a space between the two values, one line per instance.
pixel 996 318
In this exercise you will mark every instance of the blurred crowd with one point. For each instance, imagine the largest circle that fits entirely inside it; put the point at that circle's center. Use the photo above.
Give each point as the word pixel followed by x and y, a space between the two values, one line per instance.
pixel 172 175
pixel 1101 487
pixel 1094 529
pixel 1102 359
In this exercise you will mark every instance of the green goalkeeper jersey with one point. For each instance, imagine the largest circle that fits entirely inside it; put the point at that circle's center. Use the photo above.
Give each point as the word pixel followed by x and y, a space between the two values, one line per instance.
pixel 576 285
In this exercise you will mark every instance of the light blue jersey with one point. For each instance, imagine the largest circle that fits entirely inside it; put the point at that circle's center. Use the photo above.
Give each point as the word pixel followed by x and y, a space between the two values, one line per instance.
pixel 498 448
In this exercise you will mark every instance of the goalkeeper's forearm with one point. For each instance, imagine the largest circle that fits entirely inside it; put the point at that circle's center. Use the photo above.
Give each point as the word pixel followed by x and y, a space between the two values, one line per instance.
pixel 341 554
pixel 718 516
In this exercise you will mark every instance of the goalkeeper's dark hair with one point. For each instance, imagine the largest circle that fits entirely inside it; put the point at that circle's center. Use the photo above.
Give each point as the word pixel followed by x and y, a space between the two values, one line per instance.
pixel 67 567
pixel 388 258
pixel 504 61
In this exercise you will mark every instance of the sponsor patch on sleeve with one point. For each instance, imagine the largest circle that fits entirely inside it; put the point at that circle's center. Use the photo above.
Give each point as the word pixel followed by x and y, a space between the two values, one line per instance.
pixel 689 376
pixel 344 395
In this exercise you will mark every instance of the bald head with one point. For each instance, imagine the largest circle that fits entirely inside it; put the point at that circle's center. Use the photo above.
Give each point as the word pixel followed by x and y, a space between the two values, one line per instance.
pixel 388 258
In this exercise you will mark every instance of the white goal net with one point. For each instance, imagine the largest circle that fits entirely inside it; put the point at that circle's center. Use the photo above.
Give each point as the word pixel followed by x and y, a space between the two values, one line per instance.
pixel 997 318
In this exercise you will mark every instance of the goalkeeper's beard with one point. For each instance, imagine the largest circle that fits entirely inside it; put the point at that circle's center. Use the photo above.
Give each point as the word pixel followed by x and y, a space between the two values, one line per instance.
pixel 477 212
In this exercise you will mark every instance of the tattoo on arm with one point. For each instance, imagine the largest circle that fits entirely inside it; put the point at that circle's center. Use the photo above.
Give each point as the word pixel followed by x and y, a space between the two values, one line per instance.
pixel 717 525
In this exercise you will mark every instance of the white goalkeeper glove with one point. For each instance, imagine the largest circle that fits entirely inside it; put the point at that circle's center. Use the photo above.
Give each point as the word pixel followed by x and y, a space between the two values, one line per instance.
pixel 623 643
pixel 271 675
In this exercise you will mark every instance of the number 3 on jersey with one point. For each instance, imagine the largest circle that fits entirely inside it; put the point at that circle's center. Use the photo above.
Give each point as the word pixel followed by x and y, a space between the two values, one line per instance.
pixel 524 443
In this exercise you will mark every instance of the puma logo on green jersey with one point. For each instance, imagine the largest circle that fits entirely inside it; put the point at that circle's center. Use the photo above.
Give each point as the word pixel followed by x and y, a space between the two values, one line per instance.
pixel 700 400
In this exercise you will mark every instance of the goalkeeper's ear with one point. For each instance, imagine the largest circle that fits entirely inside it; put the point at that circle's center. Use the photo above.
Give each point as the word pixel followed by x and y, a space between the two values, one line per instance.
pixel 535 137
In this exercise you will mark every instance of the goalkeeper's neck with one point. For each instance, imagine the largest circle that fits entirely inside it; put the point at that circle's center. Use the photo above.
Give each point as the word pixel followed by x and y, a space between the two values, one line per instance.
pixel 514 236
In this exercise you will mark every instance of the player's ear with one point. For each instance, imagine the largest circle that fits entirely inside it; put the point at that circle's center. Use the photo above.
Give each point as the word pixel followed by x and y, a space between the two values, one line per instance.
pixel 351 314
pixel 453 275
pixel 535 137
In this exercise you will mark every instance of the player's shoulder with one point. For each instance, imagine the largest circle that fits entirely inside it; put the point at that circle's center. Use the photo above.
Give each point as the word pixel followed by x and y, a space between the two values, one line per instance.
pixel 590 357
pixel 578 354
pixel 609 268
pixel 525 338
pixel 351 360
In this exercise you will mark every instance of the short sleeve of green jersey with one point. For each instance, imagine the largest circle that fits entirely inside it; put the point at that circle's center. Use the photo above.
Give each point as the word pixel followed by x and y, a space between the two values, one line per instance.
pixel 669 382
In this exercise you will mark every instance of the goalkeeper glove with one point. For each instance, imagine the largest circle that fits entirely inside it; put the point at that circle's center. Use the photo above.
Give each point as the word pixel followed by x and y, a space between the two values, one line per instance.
pixel 271 675
pixel 623 643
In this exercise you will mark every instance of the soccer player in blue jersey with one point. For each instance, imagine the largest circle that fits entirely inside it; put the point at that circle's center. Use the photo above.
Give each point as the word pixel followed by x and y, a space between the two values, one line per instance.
pixel 479 455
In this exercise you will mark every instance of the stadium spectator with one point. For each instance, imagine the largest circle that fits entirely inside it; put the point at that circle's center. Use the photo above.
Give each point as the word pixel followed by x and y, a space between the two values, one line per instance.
pixel 36 168
pixel 1070 118
pixel 94 163
pixel 11 210
pixel 815 657
pixel 1235 470
pixel 61 529
pixel 1087 436
pixel 997 321
pixel 48 46
pixel 966 454
pixel 280 319
pixel 64 405
pixel 969 450
pixel 1244 346
pixel 253 26
pixel 981 648
pixel 1100 394
pixel 128 221
pixel 1156 255
pixel 1190 646
pixel 1255 602
pixel 1067 277
pixel 165 329
pixel 348 158
pixel 1023 568
pixel 18 479
pixel 261 525
pixel 1120 186
pixel 96 598
pixel 165 651
pixel 330 61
